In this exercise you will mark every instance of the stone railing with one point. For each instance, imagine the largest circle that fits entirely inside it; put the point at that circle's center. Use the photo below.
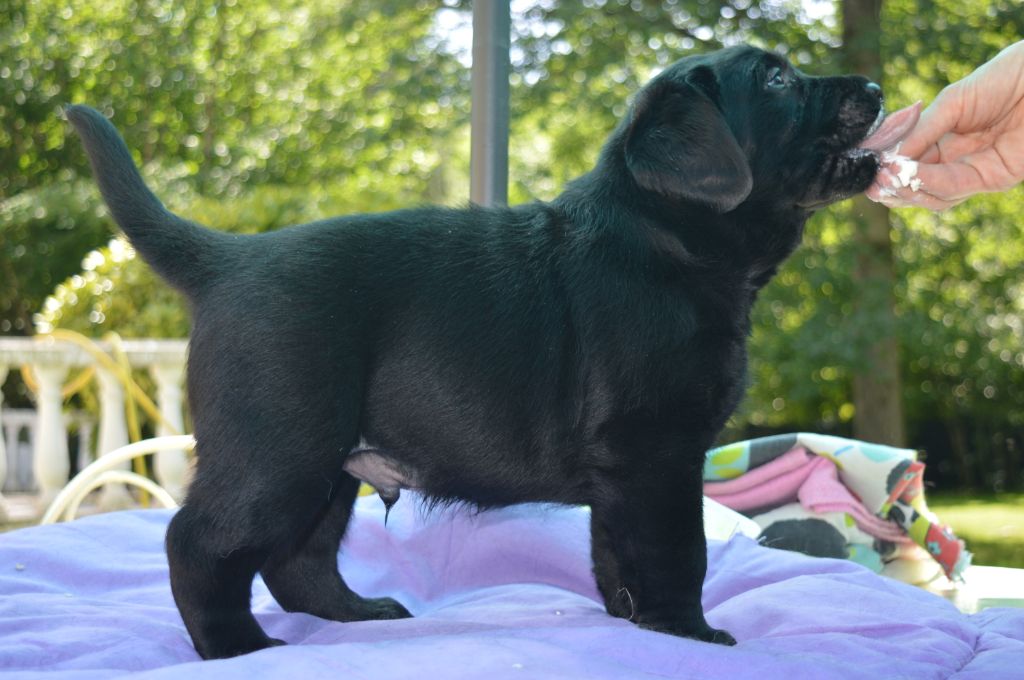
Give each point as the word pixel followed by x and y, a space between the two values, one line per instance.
pixel 19 426
pixel 50 363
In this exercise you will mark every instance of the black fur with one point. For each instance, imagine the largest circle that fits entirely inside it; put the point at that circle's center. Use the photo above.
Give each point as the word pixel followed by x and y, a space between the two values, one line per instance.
pixel 584 351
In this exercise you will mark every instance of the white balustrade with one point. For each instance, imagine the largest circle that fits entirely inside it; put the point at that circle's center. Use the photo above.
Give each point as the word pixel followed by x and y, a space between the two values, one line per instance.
pixel 171 465
pixel 50 457
pixel 113 435
pixel 50 362
pixel 20 426
pixel 19 466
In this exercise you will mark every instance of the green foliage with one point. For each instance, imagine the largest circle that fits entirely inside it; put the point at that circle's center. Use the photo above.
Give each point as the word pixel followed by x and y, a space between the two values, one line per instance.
pixel 959 302
pixel 115 292
pixel 242 93
pixel 802 352
pixel 43 235
pixel 962 304
pixel 276 113
pixel 353 95
pixel 576 65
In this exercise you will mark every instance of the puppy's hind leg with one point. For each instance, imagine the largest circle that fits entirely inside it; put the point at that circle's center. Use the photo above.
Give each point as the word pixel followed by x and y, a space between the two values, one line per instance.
pixel 253 496
pixel 304 577
pixel 608 573
pixel 211 579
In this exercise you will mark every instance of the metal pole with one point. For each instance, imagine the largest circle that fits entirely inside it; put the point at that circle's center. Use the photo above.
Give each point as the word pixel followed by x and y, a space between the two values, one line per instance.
pixel 488 162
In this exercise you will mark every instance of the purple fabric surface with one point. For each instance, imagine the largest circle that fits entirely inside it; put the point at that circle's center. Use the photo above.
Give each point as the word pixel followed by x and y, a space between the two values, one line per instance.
pixel 502 594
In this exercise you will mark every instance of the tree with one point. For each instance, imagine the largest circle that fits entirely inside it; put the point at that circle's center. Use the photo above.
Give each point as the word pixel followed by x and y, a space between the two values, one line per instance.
pixel 877 384
pixel 942 284
pixel 222 96
pixel 259 114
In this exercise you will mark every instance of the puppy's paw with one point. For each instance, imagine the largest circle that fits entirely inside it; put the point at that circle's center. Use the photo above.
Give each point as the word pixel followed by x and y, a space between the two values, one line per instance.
pixel 377 608
pixel 702 632
pixel 717 636
pixel 389 608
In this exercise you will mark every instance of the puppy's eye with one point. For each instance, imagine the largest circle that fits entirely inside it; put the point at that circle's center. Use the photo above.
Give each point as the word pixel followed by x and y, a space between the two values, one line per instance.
pixel 775 79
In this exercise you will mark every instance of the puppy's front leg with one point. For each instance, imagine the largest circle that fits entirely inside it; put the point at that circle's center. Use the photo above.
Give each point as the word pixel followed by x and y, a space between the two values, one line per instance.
pixel 649 550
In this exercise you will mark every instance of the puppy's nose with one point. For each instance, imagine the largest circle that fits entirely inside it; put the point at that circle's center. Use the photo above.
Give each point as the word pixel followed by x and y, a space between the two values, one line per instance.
pixel 875 89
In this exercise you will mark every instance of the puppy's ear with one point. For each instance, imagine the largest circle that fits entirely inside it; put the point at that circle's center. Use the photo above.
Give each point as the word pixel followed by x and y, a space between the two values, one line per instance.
pixel 679 145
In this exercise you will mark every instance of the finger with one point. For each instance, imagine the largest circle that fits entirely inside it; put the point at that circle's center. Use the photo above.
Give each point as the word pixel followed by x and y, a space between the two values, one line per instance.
pixel 888 190
pixel 884 185
pixel 972 104
pixel 931 155
pixel 908 198
pixel 940 117
pixel 921 199
pixel 889 199
pixel 950 181
pixel 946 181
pixel 876 193
pixel 954 147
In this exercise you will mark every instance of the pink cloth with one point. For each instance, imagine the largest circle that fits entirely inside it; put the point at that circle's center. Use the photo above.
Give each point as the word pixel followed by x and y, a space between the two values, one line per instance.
pixel 767 485
pixel 799 475
pixel 823 492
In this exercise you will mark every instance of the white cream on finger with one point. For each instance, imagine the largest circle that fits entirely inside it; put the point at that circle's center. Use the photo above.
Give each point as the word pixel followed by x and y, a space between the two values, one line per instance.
pixel 902 170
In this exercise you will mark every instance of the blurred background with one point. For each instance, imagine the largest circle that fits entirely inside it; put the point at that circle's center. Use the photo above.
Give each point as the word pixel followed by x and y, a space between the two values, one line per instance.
pixel 902 327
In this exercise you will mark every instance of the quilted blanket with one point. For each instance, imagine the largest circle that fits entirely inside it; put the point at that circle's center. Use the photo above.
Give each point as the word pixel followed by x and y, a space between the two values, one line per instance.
pixel 835 497
pixel 500 594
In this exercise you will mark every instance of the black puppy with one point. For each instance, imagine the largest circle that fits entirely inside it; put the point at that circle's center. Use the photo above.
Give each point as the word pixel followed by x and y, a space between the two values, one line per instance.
pixel 582 351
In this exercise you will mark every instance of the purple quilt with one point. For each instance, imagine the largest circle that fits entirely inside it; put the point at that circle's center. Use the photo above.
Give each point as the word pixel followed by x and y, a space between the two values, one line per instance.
pixel 501 594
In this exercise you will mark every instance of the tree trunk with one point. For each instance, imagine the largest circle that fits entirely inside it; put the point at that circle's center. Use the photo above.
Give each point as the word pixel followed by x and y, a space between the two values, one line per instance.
pixel 961 453
pixel 877 383
pixel 1014 474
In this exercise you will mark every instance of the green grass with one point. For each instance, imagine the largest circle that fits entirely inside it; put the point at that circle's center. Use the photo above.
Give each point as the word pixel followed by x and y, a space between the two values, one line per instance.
pixel 992 525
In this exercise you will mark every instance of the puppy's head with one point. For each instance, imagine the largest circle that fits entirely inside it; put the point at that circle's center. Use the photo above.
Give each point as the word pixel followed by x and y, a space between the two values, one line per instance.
pixel 743 126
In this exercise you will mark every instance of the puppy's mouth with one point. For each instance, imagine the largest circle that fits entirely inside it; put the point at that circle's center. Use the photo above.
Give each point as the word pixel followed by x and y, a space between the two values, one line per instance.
pixel 888 130
pixel 852 170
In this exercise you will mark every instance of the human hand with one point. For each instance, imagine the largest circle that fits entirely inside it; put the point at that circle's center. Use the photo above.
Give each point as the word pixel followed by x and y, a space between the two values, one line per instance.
pixel 970 140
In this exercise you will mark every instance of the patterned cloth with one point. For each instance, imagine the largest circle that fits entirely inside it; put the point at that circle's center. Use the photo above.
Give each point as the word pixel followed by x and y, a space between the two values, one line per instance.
pixel 844 484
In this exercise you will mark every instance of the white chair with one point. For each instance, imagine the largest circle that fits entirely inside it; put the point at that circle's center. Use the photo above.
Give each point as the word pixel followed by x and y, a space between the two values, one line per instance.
pixel 65 506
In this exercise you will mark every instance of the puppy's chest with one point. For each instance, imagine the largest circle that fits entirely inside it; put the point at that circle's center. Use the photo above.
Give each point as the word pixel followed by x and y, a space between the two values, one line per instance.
pixel 715 369
pixel 704 371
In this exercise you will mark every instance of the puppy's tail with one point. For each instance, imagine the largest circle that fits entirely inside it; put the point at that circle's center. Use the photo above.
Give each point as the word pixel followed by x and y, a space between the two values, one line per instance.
pixel 177 249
